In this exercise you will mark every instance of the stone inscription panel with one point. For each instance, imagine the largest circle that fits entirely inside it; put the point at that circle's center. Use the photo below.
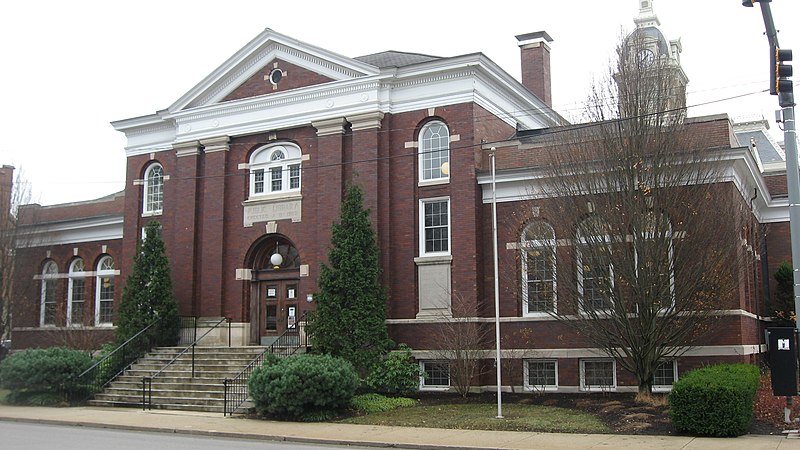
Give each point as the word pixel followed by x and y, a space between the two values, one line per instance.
pixel 276 210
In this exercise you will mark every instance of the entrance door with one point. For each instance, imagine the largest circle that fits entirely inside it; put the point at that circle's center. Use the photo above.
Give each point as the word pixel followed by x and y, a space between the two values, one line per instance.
pixel 279 304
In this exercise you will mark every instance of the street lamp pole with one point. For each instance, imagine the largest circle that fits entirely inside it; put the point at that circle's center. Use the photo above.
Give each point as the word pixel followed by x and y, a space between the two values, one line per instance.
pixel 496 288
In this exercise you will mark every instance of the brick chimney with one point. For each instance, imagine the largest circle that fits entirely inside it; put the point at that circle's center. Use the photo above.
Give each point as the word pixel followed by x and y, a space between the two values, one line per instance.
pixel 535 57
pixel 6 185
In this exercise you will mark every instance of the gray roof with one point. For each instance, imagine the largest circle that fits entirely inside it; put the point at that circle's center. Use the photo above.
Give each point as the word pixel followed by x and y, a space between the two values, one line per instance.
pixel 766 149
pixel 652 33
pixel 395 59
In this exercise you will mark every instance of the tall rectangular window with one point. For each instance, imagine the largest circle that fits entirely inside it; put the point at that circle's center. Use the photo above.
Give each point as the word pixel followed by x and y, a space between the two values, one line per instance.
pixel 77 301
pixel 435 233
pixel 49 302
pixel 258 181
pixel 277 178
pixel 294 176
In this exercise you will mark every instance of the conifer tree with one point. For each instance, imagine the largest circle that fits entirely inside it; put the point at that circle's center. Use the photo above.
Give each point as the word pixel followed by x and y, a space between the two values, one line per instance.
pixel 784 293
pixel 350 320
pixel 147 295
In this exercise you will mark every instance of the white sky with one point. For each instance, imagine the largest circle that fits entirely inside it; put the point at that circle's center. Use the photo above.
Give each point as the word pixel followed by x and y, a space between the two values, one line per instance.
pixel 71 67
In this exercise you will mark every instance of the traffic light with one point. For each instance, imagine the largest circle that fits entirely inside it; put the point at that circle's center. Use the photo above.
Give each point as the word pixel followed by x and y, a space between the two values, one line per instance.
pixel 779 73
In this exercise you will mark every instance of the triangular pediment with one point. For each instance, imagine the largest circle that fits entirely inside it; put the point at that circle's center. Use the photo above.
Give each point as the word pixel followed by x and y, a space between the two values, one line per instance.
pixel 247 73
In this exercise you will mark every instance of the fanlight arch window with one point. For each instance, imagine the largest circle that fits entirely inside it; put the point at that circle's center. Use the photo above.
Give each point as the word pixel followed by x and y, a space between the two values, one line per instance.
pixel 76 292
pixel 538 247
pixel 595 271
pixel 48 305
pixel 153 203
pixel 275 169
pixel 434 152
pixel 104 291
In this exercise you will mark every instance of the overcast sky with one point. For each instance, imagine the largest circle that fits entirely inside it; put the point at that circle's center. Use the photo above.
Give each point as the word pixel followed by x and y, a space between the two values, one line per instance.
pixel 71 67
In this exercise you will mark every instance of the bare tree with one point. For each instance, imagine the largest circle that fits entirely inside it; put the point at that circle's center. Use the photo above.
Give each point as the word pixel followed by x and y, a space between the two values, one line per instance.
pixel 461 340
pixel 14 191
pixel 654 233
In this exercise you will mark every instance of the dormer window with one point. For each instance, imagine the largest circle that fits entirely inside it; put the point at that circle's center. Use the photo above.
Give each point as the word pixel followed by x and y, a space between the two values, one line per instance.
pixel 275 169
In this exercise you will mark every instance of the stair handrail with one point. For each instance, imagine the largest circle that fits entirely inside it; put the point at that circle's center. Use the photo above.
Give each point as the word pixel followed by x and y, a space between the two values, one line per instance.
pixel 147 382
pixel 241 378
pixel 95 383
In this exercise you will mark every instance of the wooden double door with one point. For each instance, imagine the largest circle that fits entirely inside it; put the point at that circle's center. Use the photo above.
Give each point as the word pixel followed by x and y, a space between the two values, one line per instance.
pixel 279 306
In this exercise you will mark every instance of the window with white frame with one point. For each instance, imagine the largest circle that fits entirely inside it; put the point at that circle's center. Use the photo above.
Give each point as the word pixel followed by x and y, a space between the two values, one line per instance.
pixel 434 152
pixel 598 374
pixel 48 306
pixel 76 292
pixel 275 169
pixel 538 244
pixel 665 376
pixel 104 292
pixel 653 257
pixel 435 227
pixel 435 374
pixel 595 271
pixel 541 374
pixel 153 203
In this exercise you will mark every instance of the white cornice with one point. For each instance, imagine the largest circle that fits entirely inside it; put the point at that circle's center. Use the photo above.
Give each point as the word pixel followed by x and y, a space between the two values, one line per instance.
pixel 739 168
pixel 91 229
pixel 441 82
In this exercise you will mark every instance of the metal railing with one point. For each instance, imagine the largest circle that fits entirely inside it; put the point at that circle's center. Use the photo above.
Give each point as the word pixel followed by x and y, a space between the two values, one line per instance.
pixel 188 332
pixel 236 389
pixel 102 372
pixel 147 382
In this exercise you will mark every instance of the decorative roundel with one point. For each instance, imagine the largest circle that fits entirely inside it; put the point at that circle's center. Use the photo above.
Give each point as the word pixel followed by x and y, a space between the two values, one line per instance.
pixel 275 76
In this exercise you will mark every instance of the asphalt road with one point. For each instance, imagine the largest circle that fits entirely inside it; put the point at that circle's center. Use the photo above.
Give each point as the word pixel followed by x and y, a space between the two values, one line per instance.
pixel 16 435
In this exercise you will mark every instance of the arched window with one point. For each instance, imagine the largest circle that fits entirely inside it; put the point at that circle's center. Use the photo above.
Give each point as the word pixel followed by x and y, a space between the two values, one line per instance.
pixel 76 292
pixel 47 315
pixel 275 169
pixel 104 292
pixel 153 190
pixel 655 272
pixel 434 152
pixel 538 246
pixel 595 271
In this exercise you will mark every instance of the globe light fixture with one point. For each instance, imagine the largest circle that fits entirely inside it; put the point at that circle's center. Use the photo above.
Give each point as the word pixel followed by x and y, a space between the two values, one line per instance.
pixel 276 260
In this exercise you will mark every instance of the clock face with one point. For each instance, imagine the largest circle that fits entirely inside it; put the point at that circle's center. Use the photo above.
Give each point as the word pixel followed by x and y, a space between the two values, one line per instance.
pixel 646 57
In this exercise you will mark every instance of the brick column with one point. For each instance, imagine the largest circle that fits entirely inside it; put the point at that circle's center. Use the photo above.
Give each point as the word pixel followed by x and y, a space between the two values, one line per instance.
pixel 328 180
pixel 365 158
pixel 185 225
pixel 210 238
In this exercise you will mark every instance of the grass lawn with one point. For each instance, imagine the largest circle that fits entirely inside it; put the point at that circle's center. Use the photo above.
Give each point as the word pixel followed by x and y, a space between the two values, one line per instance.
pixel 482 417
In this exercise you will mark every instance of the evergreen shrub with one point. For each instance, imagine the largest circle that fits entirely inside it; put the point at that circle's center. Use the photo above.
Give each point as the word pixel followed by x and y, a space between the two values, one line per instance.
pixel 43 376
pixel 302 385
pixel 396 374
pixel 715 400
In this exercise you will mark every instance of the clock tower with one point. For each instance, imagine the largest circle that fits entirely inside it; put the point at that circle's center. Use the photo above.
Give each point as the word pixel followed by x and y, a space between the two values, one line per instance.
pixel 653 63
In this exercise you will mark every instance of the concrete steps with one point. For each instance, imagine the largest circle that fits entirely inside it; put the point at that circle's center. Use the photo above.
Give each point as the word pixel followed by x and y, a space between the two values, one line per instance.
pixel 176 387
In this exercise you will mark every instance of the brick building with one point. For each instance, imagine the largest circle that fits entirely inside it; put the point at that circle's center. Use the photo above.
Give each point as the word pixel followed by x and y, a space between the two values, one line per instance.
pixel 253 162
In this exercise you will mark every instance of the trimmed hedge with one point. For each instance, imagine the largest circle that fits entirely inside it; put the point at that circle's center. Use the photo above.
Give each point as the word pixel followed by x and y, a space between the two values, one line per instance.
pixel 715 400
pixel 43 376
pixel 301 386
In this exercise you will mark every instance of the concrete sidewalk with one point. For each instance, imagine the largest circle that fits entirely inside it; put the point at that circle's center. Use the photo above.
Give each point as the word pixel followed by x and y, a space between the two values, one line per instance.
pixel 367 435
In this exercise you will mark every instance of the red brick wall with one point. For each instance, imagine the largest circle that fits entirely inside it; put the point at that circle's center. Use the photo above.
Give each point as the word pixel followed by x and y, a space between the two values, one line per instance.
pixel 259 83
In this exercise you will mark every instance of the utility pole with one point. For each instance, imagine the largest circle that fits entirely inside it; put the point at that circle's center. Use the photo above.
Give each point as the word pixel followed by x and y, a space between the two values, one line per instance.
pixel 781 85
